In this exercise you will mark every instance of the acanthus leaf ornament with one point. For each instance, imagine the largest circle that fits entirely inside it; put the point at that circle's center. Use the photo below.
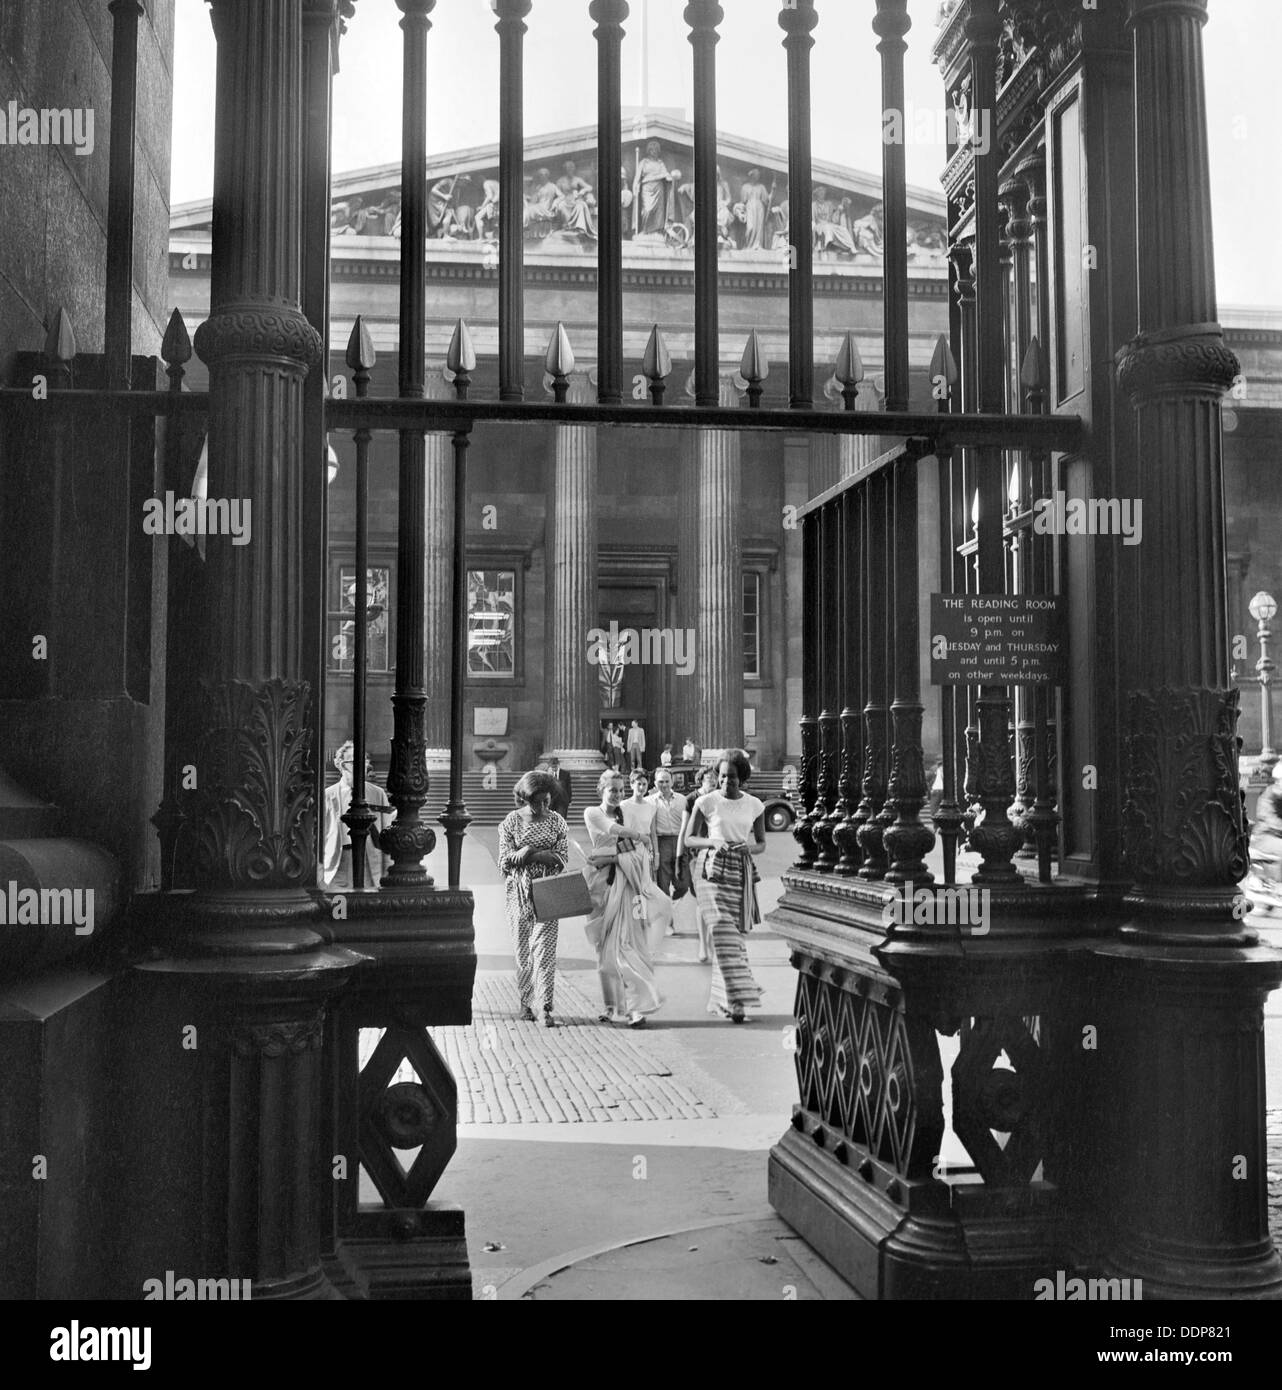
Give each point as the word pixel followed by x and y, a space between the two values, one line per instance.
pixel 253 815
pixel 1183 822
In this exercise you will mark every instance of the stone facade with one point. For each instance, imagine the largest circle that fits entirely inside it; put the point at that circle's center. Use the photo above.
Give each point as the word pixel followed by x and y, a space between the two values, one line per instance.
pixel 646 495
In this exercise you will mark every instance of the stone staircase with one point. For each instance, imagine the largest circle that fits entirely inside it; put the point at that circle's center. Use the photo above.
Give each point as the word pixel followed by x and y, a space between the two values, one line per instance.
pixel 487 805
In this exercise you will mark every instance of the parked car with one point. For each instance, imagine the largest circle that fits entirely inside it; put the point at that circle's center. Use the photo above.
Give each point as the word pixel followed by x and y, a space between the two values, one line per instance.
pixel 781 810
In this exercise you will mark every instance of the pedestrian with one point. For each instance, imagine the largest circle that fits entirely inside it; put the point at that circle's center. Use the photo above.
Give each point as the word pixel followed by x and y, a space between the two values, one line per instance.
pixel 685 862
pixel 687 752
pixel 616 746
pixel 665 758
pixel 534 842
pixel 728 828
pixel 336 860
pixel 620 927
pixel 561 803
pixel 636 746
pixel 1266 832
pixel 669 819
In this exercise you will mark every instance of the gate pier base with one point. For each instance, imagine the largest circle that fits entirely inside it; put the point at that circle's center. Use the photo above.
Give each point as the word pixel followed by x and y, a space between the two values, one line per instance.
pixel 1184 1055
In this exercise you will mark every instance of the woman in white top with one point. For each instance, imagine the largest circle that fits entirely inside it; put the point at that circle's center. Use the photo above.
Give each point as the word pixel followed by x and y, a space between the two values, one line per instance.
pixel 728 827
pixel 627 908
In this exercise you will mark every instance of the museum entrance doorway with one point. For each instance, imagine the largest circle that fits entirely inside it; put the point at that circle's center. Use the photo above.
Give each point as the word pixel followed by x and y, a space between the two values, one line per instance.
pixel 635 686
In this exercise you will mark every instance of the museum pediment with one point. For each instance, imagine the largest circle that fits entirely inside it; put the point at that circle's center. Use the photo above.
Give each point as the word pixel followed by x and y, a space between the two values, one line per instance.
pixel 560 199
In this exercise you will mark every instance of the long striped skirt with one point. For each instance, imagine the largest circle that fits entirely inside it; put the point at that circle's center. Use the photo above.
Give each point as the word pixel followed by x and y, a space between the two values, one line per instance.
pixel 723 905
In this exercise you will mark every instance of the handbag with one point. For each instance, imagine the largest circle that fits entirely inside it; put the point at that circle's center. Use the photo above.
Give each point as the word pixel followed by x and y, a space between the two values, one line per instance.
pixel 560 895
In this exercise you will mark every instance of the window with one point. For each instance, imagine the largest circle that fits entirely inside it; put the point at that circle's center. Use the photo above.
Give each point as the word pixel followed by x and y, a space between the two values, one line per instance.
pixel 491 623
pixel 751 625
pixel 342 618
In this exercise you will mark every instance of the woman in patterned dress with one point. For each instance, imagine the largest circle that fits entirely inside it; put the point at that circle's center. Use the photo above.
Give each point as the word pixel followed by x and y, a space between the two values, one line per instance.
pixel 534 842
pixel 626 909
pixel 727 828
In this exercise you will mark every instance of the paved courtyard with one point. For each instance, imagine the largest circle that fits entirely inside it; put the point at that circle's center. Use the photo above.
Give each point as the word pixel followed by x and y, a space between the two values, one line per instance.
pixel 594 1160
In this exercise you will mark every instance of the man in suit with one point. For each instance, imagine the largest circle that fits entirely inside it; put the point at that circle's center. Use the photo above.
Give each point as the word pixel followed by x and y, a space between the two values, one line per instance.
pixel 636 746
pixel 561 804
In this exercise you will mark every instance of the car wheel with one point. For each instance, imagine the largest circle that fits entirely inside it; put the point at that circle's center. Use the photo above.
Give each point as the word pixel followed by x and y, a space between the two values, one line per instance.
pixel 778 818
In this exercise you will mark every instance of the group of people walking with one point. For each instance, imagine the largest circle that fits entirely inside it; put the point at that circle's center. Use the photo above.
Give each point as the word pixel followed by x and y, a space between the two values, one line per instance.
pixel 645 851
pixel 624 748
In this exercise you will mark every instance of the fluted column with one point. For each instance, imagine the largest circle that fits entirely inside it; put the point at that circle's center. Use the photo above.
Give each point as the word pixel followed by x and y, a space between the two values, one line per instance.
pixel 989 753
pixel 718 597
pixel 252 747
pixel 438 534
pixel 244 1110
pixel 829 454
pixel 685 688
pixel 1187 856
pixel 573 698
pixel 1189 1145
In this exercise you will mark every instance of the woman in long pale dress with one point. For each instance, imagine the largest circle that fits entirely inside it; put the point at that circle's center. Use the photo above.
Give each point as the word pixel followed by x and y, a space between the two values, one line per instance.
pixel 728 828
pixel 627 916
pixel 640 817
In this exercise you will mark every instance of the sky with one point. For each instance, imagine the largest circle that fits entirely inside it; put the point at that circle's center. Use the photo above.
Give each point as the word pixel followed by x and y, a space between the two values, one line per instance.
pixel 560 92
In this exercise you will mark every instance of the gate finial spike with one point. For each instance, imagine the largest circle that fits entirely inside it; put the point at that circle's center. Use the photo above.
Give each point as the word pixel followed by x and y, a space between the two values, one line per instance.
pixel 175 346
pixel 60 341
pixel 849 367
pixel 560 362
pixel 754 367
pixel 461 355
pixel 849 370
pixel 656 365
pixel 460 359
pixel 943 367
pixel 943 363
pixel 1033 371
pixel 360 356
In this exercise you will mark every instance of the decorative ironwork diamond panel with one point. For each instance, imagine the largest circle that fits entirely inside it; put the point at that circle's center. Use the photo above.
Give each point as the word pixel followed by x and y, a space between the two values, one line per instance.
pixel 408 1114
pixel 868 1070
pixel 989 1099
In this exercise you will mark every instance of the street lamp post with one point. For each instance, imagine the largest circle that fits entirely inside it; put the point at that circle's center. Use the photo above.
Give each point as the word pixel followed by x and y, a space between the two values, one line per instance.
pixel 1262 608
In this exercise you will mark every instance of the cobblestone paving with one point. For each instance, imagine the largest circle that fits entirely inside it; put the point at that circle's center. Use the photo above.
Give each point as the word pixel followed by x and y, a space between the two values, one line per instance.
pixel 512 1072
